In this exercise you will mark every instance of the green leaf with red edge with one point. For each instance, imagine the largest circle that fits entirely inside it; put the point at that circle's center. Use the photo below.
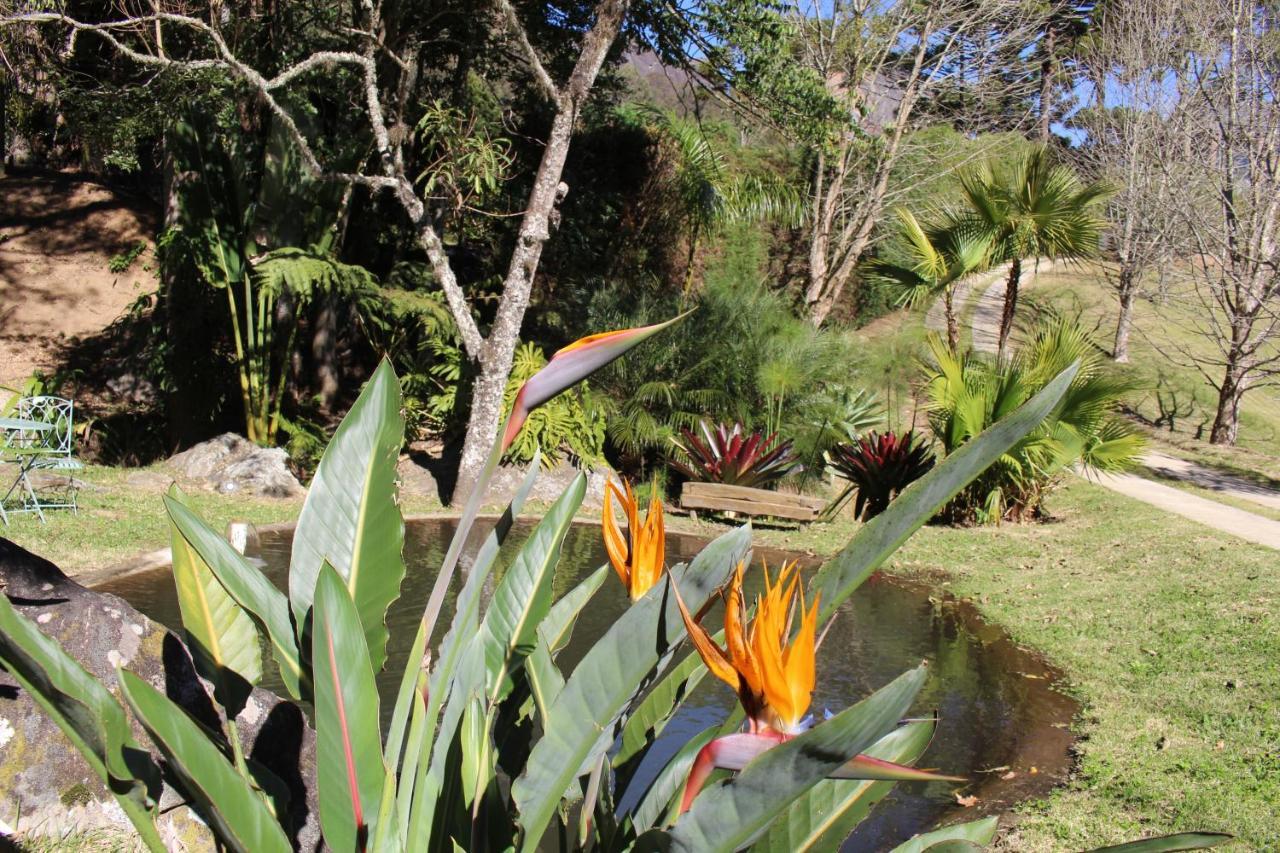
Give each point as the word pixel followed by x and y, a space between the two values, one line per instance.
pixel 351 518
pixel 349 768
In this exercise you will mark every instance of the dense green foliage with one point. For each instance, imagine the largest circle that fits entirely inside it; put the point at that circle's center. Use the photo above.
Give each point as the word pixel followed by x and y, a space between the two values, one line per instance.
pixel 657 194
pixel 969 392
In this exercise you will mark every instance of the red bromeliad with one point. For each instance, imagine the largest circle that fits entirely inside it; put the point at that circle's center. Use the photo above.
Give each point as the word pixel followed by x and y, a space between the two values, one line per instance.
pixel 773 674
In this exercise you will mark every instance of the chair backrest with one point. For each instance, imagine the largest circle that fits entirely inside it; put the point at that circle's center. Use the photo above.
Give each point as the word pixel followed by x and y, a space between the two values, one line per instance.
pixel 57 411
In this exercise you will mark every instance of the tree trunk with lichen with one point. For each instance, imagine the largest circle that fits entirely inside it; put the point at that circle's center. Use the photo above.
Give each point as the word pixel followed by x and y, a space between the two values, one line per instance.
pixel 498 351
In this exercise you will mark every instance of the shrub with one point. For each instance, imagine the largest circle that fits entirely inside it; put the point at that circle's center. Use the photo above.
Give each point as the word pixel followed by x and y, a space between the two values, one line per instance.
pixel 969 393
pixel 742 356
pixel 729 455
pixel 878 467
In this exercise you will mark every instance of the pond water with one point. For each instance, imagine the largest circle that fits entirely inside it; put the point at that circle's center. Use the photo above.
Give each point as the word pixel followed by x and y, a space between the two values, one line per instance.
pixel 1001 722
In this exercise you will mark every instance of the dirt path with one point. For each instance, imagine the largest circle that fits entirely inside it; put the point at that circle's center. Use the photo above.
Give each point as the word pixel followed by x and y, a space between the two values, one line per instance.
pixel 57 236
pixel 1228 519
pixel 985 327
pixel 1169 467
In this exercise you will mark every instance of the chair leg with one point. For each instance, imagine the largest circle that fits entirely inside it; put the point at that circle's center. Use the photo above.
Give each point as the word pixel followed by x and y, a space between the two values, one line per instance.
pixel 31 494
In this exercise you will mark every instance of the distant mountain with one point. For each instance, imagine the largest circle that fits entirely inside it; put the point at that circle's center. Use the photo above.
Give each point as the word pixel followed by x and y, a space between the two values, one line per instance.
pixel 677 90
pixel 666 86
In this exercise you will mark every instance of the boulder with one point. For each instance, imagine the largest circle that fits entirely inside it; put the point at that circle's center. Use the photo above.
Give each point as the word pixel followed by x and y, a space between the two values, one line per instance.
pixel 426 476
pixel 549 485
pixel 231 463
pixel 46 787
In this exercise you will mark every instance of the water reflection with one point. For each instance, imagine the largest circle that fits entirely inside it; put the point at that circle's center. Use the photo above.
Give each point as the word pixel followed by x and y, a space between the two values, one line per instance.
pixel 998 713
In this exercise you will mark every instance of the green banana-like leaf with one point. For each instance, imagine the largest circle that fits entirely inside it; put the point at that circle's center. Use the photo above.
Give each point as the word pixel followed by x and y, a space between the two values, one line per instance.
pixel 730 816
pixel 88 715
pixel 920 501
pixel 351 518
pixel 433 786
pixel 822 818
pixel 422 767
pixel 980 832
pixel 545 680
pixel 1170 843
pixel 566 368
pixel 223 640
pixel 653 713
pixel 349 768
pixel 543 676
pixel 581 721
pixel 522 600
pixel 557 628
pixel 477 751
pixel 669 783
pixel 251 590
pixel 462 629
pixel 238 814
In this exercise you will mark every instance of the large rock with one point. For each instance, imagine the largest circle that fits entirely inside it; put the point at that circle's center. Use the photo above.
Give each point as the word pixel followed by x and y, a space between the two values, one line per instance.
pixel 47 788
pixel 425 476
pixel 548 487
pixel 231 463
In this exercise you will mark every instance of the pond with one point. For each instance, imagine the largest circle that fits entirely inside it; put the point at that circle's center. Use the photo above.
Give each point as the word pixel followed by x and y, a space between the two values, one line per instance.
pixel 1002 723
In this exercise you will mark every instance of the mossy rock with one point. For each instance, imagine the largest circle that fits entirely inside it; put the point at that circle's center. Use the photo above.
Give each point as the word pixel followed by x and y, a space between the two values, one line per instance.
pixel 44 776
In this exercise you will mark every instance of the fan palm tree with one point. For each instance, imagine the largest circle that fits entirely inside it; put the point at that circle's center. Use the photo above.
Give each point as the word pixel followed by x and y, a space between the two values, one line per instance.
pixel 935 259
pixel 1038 210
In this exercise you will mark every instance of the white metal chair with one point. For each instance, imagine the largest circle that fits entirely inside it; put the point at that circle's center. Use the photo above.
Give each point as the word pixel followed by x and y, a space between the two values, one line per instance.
pixel 50 449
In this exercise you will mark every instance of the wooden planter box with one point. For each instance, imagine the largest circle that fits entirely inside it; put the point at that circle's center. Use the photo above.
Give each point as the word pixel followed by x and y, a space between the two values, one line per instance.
pixel 748 501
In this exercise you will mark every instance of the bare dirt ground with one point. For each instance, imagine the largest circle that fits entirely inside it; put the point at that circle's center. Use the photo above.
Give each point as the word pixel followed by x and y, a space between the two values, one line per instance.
pixel 57 235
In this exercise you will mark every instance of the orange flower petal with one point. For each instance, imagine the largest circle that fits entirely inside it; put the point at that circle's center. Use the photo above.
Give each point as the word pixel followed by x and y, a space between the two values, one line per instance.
pixel 711 654
pixel 615 545
pixel 744 661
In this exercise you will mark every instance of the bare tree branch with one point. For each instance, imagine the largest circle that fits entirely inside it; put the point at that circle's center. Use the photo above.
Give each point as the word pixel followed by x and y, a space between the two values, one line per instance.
pixel 540 75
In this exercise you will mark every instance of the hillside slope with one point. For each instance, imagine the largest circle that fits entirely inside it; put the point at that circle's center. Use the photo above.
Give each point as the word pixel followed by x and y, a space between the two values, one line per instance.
pixel 58 234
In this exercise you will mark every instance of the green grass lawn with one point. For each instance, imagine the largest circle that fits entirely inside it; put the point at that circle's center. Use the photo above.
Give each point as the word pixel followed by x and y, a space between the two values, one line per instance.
pixel 122 515
pixel 1169 634
pixel 1160 338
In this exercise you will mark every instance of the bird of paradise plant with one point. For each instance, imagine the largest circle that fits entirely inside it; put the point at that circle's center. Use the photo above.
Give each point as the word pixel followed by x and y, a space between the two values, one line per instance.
pixel 490 744
pixel 773 674
pixel 638 556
